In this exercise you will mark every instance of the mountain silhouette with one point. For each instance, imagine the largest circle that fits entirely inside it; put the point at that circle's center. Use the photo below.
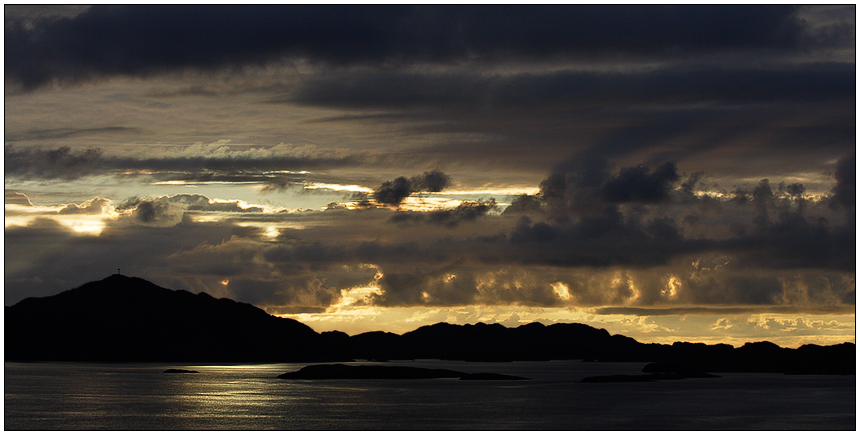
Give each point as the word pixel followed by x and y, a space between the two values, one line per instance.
pixel 129 319
pixel 564 341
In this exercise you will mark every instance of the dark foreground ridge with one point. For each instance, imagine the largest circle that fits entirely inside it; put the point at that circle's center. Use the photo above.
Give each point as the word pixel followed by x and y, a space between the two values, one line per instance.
pixel 342 371
pixel 129 319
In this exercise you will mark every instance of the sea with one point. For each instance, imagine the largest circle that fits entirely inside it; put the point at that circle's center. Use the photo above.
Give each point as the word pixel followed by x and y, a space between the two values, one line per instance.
pixel 95 396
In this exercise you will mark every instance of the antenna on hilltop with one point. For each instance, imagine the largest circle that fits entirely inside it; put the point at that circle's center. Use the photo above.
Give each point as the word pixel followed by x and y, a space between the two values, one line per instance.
pixel 117 271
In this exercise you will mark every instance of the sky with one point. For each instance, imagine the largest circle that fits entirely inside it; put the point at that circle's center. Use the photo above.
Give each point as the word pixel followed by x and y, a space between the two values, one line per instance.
pixel 669 173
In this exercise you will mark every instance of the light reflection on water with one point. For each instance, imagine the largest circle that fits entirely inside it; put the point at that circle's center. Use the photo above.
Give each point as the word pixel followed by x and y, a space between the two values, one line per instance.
pixel 76 396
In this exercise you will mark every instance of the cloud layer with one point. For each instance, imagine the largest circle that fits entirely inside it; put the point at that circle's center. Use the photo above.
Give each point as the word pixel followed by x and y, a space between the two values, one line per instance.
pixel 107 40
pixel 632 246
pixel 442 162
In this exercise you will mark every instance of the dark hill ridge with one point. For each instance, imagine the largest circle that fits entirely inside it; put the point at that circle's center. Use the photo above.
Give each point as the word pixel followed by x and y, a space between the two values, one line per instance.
pixel 130 319
pixel 482 342
pixel 536 342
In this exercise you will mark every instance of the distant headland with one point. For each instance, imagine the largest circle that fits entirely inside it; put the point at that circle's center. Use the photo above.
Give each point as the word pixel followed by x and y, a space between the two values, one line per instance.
pixel 127 319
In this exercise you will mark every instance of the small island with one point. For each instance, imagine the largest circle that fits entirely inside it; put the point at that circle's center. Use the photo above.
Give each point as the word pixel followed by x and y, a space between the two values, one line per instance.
pixel 343 371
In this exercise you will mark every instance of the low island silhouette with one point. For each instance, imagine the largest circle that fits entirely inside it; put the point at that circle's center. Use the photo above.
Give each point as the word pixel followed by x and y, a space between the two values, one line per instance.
pixel 180 371
pixel 128 319
pixel 342 371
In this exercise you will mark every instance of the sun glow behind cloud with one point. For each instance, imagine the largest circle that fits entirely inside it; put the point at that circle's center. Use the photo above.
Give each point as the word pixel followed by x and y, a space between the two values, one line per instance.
pixel 497 191
pixel 338 187
pixel 92 223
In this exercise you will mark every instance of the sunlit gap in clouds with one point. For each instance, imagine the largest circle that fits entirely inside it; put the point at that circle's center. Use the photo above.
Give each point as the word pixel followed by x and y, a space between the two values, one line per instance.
pixel 84 223
pixel 338 187
pixel 674 316
pixel 561 290
pixel 353 308
pixel 270 231
pixel 195 183
pixel 500 191
pixel 90 225
pixel 359 295
pixel 673 287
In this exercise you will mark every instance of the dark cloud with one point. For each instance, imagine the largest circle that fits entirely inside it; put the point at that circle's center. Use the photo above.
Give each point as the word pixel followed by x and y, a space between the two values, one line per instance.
pixel 169 210
pixel 156 212
pixel 763 198
pixel 18 198
pixel 793 189
pixel 285 292
pixel 621 255
pixel 639 185
pixel 523 204
pixel 280 183
pixel 755 290
pixel 793 240
pixel 335 206
pixel 691 183
pixel 700 138
pixel 142 40
pixel 586 216
pixel 203 203
pixel 603 240
pixel 596 234
pixel 92 206
pixel 464 212
pixel 33 255
pixel 458 284
pixel 523 121
pixel 844 193
pixel 60 163
pixel 579 89
pixel 28 14
pixel 64 133
pixel 218 165
pixel 432 181
pixel 395 191
pixel 68 164
pixel 46 257
pixel 584 185
pixel 436 287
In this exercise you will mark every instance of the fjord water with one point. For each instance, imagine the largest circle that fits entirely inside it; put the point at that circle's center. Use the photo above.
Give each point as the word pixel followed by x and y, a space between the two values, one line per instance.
pixel 85 396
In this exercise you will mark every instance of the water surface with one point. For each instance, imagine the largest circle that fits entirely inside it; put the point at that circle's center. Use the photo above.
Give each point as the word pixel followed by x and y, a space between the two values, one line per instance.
pixel 80 396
